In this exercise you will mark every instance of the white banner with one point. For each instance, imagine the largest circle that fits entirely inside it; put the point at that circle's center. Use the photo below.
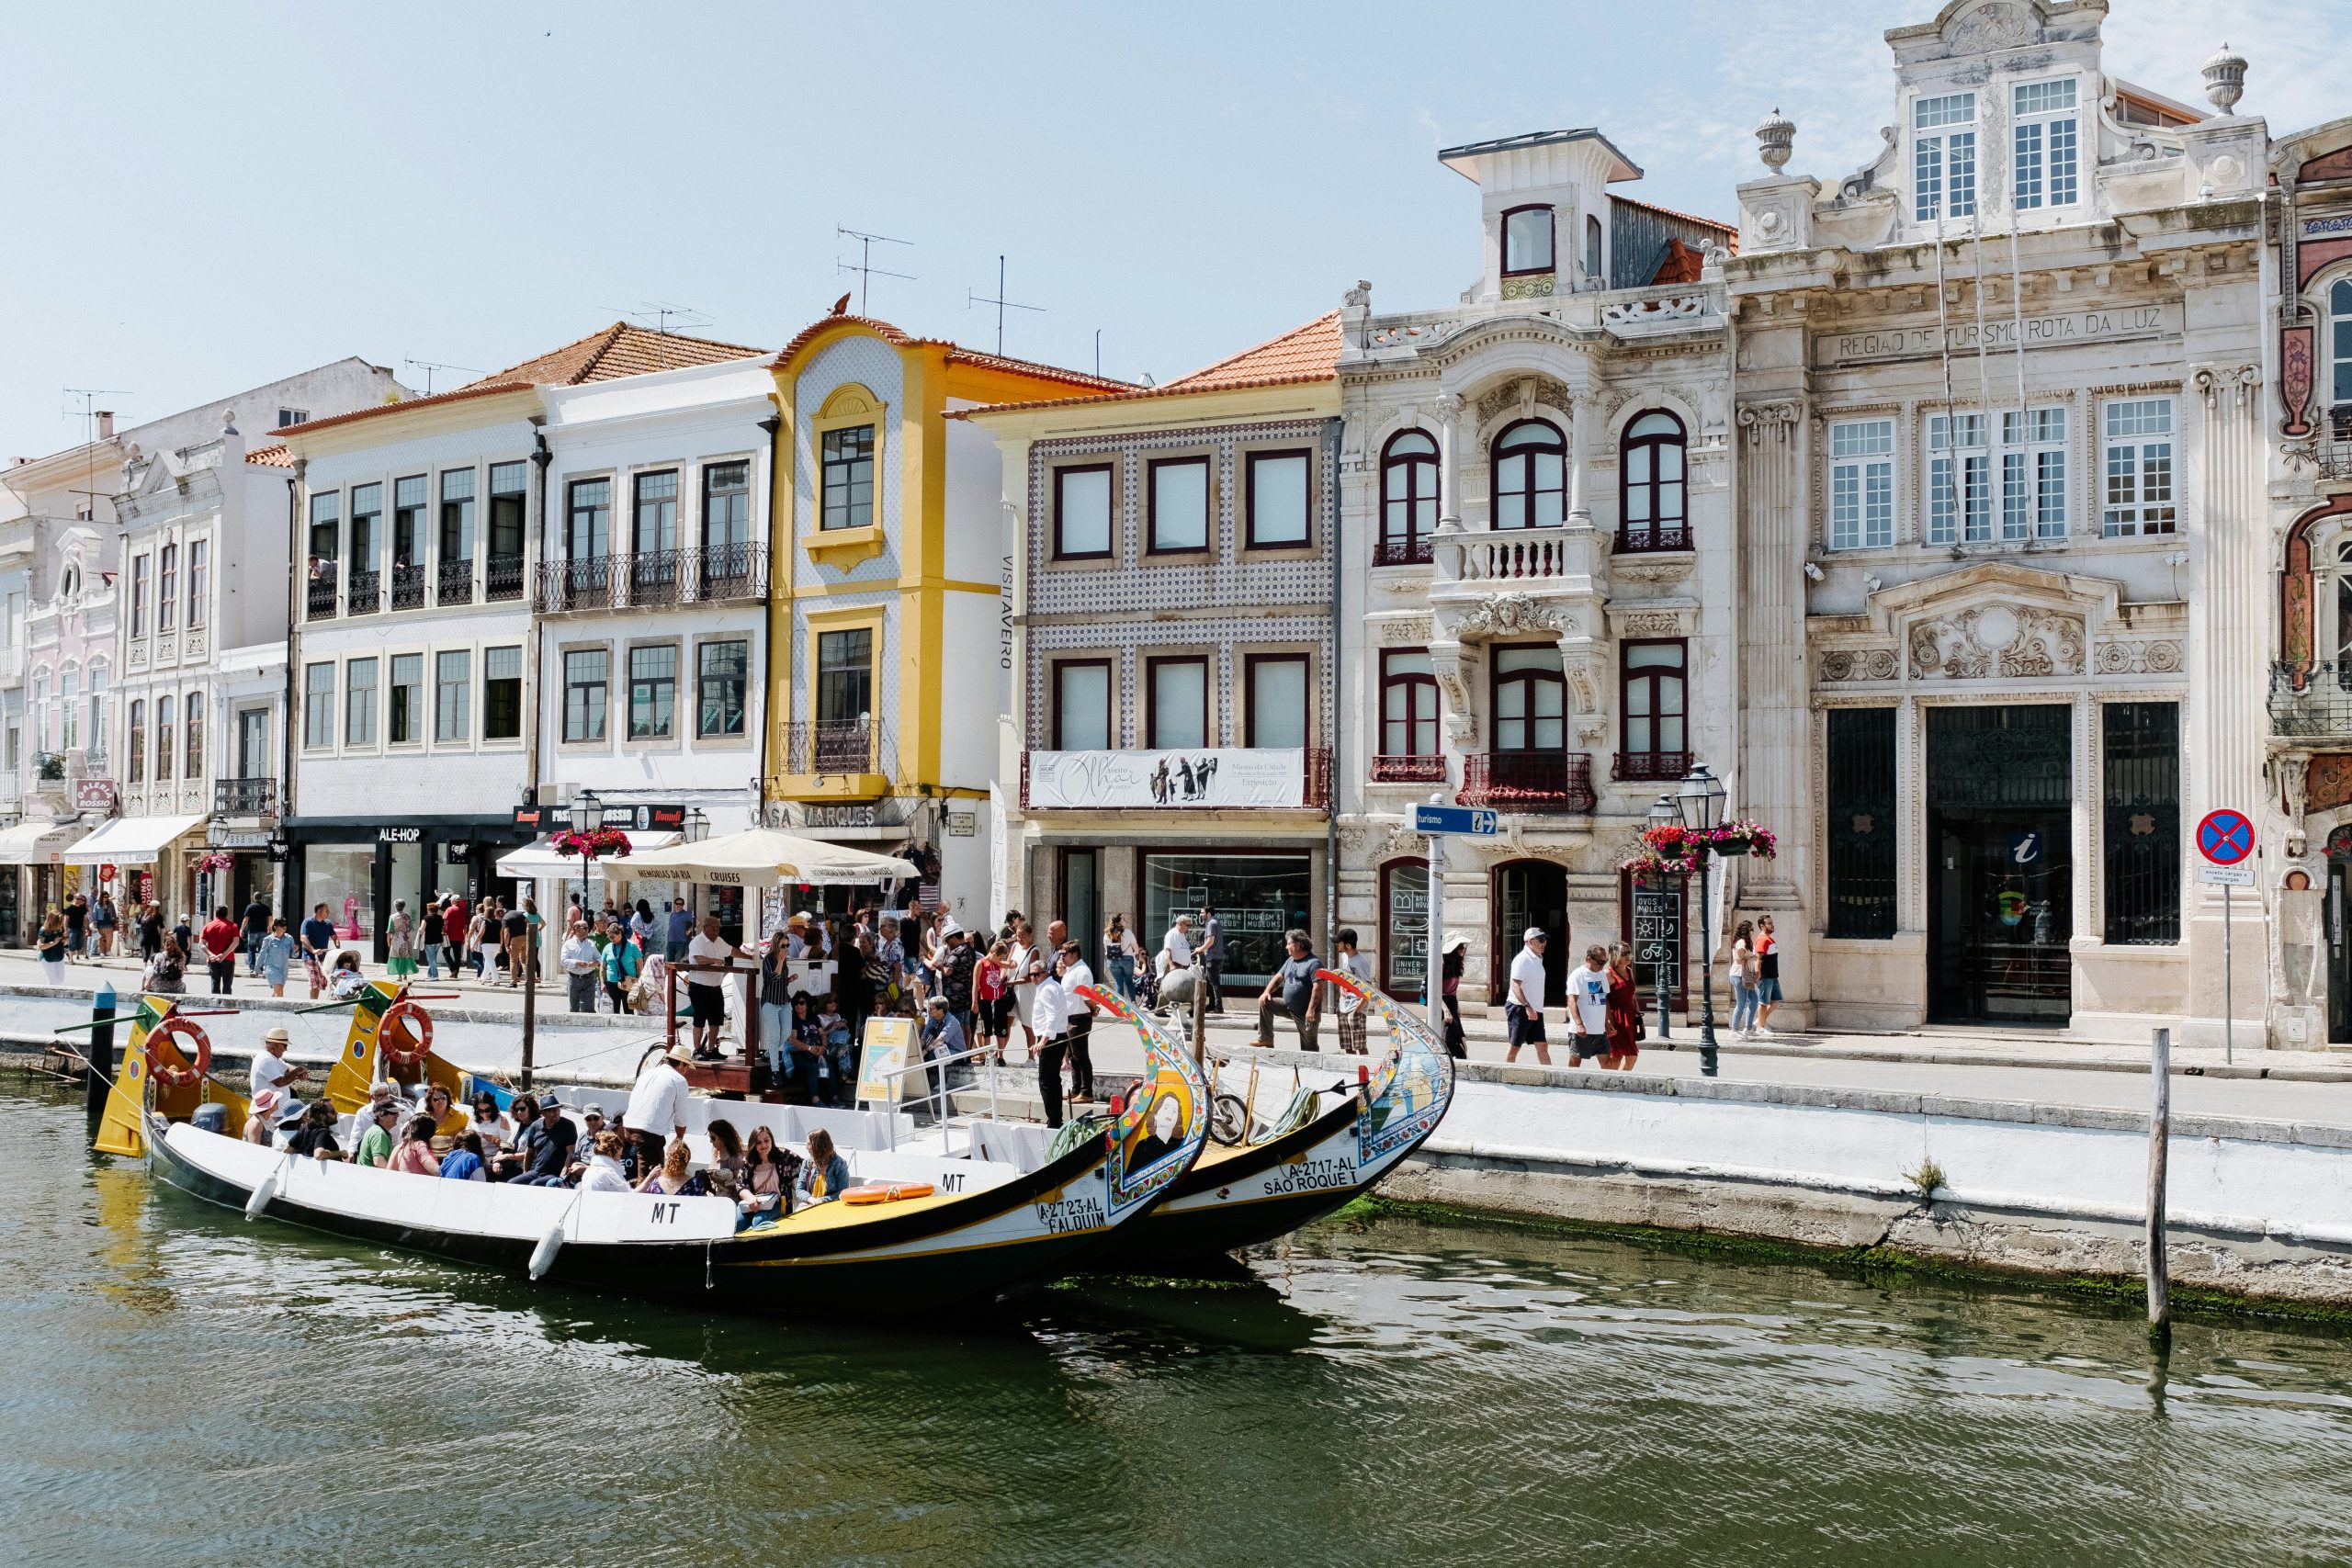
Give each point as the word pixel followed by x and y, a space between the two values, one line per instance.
pixel 1205 780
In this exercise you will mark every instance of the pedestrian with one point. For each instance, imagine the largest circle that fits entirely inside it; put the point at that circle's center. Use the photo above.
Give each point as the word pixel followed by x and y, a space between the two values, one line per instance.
pixel 1588 1007
pixel 430 937
pixel 52 947
pixel 479 936
pixel 256 926
pixel 640 926
pixel 1523 1003
pixel 105 921
pixel 276 954
pixel 621 964
pixel 1212 957
pixel 169 975
pixel 953 967
pixel 1458 949
pixel 454 927
pixel 514 932
pixel 1176 956
pixel 1356 967
pixel 1079 1011
pixel 681 930
pixel 77 929
pixel 582 965
pixel 992 1000
pixel 708 957
pixel 400 941
pixel 151 933
pixel 221 940
pixel 1768 976
pixel 318 941
pixel 1301 995
pixel 775 1009
pixel 1741 967
pixel 1120 952
pixel 1624 1010
pixel 1046 1020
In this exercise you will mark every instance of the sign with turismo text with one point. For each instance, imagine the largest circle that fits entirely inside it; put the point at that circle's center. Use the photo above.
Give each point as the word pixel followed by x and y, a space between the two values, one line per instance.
pixel 1476 821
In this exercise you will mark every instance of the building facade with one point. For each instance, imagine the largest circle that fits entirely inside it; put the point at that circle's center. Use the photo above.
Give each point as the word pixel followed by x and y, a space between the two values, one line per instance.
pixel 1536 524
pixel 2001 475
pixel 1170 720
pixel 892 563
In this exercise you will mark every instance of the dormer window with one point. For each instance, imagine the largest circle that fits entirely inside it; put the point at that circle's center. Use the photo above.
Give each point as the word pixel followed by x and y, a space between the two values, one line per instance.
pixel 1943 157
pixel 2047 144
pixel 1527 239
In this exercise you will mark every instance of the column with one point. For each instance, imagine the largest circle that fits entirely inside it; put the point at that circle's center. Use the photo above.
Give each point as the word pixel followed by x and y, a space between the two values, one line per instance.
pixel 1580 416
pixel 1774 718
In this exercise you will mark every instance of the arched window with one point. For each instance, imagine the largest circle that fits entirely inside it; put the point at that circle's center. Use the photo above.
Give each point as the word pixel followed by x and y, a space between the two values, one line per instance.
pixel 194 768
pixel 138 742
pixel 1407 499
pixel 2339 348
pixel 1651 516
pixel 163 740
pixel 1530 476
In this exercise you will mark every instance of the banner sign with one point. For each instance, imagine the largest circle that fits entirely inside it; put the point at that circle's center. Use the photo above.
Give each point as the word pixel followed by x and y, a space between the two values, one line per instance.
pixel 1209 779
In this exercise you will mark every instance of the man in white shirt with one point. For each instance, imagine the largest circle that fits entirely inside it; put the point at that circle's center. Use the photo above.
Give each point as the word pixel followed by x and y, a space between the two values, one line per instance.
pixel 272 1070
pixel 707 959
pixel 1523 1005
pixel 1076 972
pixel 1049 1017
pixel 657 1106
pixel 1588 1006
pixel 581 965
pixel 1176 973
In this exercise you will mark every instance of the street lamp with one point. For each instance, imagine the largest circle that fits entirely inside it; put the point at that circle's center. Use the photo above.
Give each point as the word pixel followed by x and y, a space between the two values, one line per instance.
pixel 587 818
pixel 698 826
pixel 1700 803
pixel 1663 815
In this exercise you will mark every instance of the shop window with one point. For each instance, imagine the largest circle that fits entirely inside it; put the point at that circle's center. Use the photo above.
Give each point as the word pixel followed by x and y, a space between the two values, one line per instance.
pixel 1177 506
pixel 1081 705
pixel 1530 476
pixel 586 673
pixel 2140 796
pixel 359 678
pixel 1277 715
pixel 720 670
pixel 1258 896
pixel 653 691
pixel 1405 928
pixel 1082 512
pixel 501 693
pixel 1651 485
pixel 1861 821
pixel 1177 706
pixel 847 460
pixel 1275 497
pixel 342 877
pixel 1527 239
pixel 404 713
pixel 1408 704
pixel 1408 499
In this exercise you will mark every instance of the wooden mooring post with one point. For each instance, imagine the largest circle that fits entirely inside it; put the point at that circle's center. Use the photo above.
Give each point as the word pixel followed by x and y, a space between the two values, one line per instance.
pixel 2159 1145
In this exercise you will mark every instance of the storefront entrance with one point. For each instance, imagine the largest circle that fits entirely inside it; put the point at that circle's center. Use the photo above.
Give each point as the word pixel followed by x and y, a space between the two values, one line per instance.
pixel 2000 872
pixel 1258 896
pixel 1531 893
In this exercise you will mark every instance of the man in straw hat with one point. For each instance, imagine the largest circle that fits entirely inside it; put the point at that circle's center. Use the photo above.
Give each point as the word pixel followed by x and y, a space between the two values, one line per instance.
pixel 657 1104
pixel 272 1070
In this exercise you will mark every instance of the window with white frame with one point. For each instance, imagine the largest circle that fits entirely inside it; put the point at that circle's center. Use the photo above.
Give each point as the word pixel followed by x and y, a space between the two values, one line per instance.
pixel 1862 484
pixel 1943 156
pixel 2138 468
pixel 2045 145
pixel 585 679
pixel 1959 493
pixel 404 716
pixel 2339 344
pixel 2033 474
pixel 453 684
pixel 501 693
pixel 358 702
pixel 318 707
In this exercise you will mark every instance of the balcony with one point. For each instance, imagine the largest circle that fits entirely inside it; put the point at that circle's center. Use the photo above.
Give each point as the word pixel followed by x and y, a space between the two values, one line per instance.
pixel 2332 444
pixel 319 594
pixel 1534 781
pixel 654 579
pixel 408 588
pixel 454 583
pixel 365 594
pixel 2312 698
pixel 504 579
pixel 1518 554
pixel 1403 552
pixel 1159 779
pixel 836 762
pixel 1628 767
pixel 244 797
pixel 1653 541
pixel 1389 768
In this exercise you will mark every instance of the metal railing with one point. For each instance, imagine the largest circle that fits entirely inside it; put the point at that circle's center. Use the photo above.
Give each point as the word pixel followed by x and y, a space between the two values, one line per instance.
pixel 364 595
pixel 652 579
pixel 504 579
pixel 1404 552
pixel 854 748
pixel 1529 781
pixel 408 588
pixel 2311 697
pixel 454 583
pixel 730 571
pixel 1639 541
pixel 244 797
pixel 2333 444
pixel 1632 765
pixel 319 595
pixel 1401 768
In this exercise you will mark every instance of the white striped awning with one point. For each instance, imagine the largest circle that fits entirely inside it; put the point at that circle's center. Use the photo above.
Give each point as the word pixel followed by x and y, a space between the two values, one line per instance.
pixel 129 840
pixel 39 843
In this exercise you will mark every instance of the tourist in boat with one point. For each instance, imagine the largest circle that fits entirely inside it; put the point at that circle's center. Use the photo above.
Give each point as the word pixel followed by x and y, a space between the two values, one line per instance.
pixel 677 1178
pixel 414 1154
pixel 277 956
pixel 315 1137
pixel 771 1171
pixel 826 1175
pixel 447 1120
pixel 657 1104
pixel 545 1147
pixel 506 1162
pixel 167 976
pixel 375 1132
pixel 271 1070
pixel 464 1161
pixel 490 1125
pixel 728 1166
pixel 602 1171
pixel 582 965
pixel 1356 967
pixel 262 1123
pixel 1624 1010
pixel 220 938
pixel 52 947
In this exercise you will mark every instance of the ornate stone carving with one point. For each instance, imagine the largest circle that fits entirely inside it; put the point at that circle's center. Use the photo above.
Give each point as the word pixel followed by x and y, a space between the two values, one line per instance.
pixel 1523 393
pixel 1759 418
pixel 1640 313
pixel 1988 27
pixel 1653 566
pixel 1452 667
pixel 1650 623
pixel 1859 664
pixel 1997 639
pixel 2159 656
pixel 1506 614
pixel 1535 287
pixel 1404 634
pixel 1411 334
pixel 2293 786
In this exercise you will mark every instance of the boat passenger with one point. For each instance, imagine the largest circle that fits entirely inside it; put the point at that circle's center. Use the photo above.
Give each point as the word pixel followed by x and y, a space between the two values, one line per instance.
pixel 677 1178
pixel 826 1175
pixel 506 1162
pixel 727 1169
pixel 272 1070
pixel 316 1138
pixel 376 1134
pixel 657 1104
pixel 448 1121
pixel 463 1162
pixel 414 1154
pixel 770 1170
pixel 491 1124
pixel 546 1147
pixel 603 1171
pixel 265 1118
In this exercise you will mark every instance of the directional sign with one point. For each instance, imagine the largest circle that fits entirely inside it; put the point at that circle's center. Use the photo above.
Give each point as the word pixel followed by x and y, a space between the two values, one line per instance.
pixel 2225 837
pixel 1474 821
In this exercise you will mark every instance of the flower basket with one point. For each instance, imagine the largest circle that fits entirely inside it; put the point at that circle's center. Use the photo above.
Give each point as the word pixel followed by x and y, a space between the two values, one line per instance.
pixel 605 843
pixel 1744 838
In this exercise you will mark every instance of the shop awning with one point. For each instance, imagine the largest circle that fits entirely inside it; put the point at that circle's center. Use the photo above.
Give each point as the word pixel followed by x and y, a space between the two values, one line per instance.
pixel 129 840
pixel 536 859
pixel 761 857
pixel 33 843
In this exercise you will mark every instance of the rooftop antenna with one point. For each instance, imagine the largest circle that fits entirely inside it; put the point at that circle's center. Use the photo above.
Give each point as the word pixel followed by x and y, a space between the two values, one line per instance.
pixel 1000 303
pixel 865 266
pixel 430 365
pixel 89 396
pixel 1098 351
pixel 662 313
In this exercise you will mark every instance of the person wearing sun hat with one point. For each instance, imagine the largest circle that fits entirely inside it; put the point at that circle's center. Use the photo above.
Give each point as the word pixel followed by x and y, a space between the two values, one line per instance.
pixel 271 1069
pixel 263 1122
pixel 657 1104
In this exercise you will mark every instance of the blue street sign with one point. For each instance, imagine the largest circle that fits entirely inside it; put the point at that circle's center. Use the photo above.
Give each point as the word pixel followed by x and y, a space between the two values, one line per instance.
pixel 1474 821
pixel 2225 837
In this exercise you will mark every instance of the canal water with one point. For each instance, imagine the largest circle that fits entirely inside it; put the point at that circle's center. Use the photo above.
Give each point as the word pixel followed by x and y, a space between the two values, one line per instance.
pixel 185 1388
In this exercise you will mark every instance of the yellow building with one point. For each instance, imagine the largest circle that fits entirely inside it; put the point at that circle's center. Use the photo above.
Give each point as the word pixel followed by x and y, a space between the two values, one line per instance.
pixel 889 630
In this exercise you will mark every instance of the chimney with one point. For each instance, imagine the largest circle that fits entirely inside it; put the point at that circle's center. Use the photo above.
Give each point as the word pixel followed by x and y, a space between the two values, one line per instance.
pixel 106 424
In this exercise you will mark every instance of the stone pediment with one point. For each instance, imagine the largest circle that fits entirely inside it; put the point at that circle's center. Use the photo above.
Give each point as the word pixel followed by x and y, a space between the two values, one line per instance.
pixel 1991 620
pixel 2091 601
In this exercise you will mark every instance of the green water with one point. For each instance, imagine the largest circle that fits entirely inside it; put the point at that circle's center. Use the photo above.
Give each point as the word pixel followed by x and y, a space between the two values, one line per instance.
pixel 185 1388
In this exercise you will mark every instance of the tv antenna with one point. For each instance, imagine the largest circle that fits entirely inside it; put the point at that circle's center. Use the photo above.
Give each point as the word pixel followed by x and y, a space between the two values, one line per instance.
pixel 865 266
pixel 90 395
pixel 664 317
pixel 1000 303
pixel 430 365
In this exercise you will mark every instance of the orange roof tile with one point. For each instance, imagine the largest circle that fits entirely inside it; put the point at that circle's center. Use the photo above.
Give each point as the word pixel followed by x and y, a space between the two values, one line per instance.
pixel 1303 353
pixel 1730 229
pixel 618 350
pixel 957 353
pixel 276 457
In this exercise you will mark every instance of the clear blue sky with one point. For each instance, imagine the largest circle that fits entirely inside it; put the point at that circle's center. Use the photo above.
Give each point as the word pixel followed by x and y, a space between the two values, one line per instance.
pixel 204 196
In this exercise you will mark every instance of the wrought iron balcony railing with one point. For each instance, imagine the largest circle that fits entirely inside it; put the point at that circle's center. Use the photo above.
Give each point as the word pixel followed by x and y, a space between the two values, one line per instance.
pixel 364 593
pixel 2311 697
pixel 1399 768
pixel 1637 541
pixel 1403 552
pixel 319 595
pixel 454 583
pixel 1529 781
pixel 853 747
pixel 244 797
pixel 654 578
pixel 408 588
pixel 1632 765
pixel 504 578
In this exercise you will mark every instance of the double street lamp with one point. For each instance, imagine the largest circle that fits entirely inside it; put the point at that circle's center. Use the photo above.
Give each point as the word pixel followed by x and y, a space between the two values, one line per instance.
pixel 1697 806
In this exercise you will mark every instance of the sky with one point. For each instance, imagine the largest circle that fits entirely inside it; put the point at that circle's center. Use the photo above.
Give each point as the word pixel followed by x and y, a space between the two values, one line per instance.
pixel 203 199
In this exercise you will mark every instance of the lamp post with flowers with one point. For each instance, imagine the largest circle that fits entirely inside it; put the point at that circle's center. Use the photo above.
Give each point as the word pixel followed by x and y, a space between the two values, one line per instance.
pixel 590 839
pixel 1686 829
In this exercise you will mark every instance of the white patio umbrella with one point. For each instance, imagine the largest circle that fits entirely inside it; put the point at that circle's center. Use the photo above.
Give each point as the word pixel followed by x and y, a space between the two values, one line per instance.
pixel 761 857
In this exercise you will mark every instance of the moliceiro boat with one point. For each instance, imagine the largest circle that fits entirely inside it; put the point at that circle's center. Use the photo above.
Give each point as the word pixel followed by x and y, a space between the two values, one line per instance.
pixel 1307 1163
pixel 937 1231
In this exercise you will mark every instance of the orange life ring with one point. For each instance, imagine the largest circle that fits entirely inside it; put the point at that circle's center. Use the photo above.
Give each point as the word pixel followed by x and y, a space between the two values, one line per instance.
pixel 890 1193
pixel 177 1030
pixel 413 1021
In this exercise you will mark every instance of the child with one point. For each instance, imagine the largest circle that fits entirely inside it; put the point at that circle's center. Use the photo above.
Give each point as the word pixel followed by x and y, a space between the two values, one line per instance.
pixel 838 1052
pixel 346 982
